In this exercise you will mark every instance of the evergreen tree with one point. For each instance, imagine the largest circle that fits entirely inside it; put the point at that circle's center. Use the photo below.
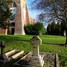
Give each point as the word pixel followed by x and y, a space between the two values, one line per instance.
pixel 53 28
pixel 63 27
pixel 58 29
pixel 5 13
pixel 49 29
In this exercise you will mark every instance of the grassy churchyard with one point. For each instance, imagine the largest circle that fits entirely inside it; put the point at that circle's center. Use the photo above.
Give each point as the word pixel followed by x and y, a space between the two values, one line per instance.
pixel 52 44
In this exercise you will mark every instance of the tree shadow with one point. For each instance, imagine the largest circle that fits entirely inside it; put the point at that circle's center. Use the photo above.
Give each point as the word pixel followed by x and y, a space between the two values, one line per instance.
pixel 57 44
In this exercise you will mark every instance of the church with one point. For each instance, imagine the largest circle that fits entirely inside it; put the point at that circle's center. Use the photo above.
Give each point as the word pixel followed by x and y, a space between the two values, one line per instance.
pixel 20 17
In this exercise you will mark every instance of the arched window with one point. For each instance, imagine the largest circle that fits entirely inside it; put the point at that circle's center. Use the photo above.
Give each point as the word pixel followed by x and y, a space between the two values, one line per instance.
pixel 14 4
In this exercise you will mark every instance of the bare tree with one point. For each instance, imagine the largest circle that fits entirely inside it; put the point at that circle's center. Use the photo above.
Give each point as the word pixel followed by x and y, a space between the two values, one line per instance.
pixel 55 9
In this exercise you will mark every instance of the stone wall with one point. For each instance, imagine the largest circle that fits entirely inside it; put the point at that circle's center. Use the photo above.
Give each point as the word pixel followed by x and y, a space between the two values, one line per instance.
pixel 21 16
pixel 3 31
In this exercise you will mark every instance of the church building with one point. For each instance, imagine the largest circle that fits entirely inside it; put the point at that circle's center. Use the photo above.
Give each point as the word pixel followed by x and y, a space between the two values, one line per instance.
pixel 20 17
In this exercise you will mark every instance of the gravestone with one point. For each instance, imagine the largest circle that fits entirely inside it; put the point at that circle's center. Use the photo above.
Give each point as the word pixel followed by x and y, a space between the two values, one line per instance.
pixel 36 59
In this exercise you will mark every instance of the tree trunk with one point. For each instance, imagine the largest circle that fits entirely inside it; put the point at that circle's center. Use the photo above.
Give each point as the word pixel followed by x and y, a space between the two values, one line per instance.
pixel 6 31
pixel 66 29
pixel 66 37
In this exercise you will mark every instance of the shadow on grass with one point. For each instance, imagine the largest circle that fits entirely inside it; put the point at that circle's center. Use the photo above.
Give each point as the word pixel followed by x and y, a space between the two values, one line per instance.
pixel 57 44
pixel 9 63
pixel 62 60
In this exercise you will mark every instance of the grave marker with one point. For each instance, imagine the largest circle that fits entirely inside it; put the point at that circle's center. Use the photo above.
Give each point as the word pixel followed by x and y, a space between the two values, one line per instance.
pixel 36 59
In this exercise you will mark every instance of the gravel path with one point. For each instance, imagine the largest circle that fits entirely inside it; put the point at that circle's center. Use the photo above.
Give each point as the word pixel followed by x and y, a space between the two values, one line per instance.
pixel 49 60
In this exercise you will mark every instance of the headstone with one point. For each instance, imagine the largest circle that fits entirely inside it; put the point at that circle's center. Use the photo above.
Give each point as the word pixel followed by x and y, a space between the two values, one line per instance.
pixel 36 60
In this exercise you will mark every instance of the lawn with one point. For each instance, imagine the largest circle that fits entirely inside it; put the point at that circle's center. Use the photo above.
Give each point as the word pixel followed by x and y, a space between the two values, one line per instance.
pixel 52 44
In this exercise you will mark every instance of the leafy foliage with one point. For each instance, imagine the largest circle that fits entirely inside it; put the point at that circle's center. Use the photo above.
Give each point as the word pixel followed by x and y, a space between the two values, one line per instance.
pixel 56 28
pixel 53 9
pixel 4 13
pixel 34 29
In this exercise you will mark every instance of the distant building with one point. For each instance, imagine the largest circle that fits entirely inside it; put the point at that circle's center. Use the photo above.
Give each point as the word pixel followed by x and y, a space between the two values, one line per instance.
pixel 19 18
pixel 31 20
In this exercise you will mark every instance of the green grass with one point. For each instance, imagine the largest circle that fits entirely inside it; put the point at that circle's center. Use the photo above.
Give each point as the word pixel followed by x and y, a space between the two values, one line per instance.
pixel 52 44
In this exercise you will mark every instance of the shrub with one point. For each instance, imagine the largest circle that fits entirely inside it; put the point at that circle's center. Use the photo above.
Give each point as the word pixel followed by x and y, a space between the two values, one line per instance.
pixel 54 29
pixel 34 29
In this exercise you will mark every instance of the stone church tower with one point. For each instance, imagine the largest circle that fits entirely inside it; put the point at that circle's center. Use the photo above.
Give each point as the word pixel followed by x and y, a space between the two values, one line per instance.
pixel 22 17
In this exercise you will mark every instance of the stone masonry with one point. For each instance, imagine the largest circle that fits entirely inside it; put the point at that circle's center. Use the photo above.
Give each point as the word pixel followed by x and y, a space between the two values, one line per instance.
pixel 20 16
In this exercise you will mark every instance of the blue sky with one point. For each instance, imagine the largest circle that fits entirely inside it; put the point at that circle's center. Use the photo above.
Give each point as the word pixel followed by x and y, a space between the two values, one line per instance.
pixel 32 13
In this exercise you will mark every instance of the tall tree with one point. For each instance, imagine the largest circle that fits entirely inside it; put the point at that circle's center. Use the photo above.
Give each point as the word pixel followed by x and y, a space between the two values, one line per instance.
pixel 5 13
pixel 58 29
pixel 53 28
pixel 49 29
pixel 55 9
